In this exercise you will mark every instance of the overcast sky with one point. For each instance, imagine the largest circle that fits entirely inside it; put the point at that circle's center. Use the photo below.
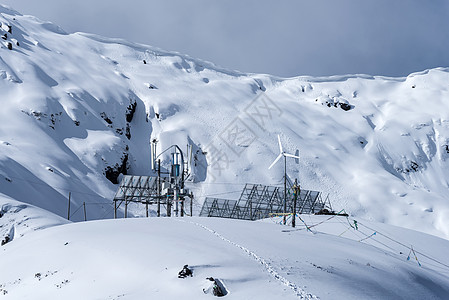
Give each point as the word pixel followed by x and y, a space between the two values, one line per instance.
pixel 279 37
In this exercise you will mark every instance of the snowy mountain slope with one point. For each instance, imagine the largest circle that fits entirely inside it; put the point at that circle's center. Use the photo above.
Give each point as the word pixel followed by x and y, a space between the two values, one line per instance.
pixel 140 258
pixel 18 219
pixel 378 146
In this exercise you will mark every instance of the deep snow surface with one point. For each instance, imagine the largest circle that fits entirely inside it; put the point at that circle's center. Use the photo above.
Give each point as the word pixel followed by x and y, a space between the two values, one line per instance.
pixel 140 258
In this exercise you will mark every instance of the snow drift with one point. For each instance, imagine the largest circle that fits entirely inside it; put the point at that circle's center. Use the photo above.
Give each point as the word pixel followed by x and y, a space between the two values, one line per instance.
pixel 140 258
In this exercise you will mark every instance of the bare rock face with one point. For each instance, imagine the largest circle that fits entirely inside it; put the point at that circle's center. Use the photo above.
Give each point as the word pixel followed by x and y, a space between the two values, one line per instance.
pixel 112 173
pixel 130 110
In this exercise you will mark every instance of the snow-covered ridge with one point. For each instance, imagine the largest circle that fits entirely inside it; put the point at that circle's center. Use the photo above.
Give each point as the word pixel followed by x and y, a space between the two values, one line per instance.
pixel 140 258
pixel 19 219
pixel 378 146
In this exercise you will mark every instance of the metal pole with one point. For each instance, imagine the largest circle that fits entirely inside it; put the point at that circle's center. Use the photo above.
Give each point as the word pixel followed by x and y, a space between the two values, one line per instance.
pixel 158 187
pixel 85 215
pixel 294 203
pixel 191 205
pixel 285 189
pixel 182 207
pixel 126 208
pixel 250 210
pixel 176 175
pixel 176 199
pixel 147 207
pixel 68 212
pixel 115 209
pixel 168 206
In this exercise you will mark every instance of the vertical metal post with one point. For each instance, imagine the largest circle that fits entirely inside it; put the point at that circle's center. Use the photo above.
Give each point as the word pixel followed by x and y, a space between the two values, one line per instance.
pixel 182 207
pixel 191 205
pixel 85 215
pixel 176 199
pixel 153 153
pixel 147 207
pixel 126 208
pixel 285 189
pixel 250 209
pixel 68 211
pixel 158 187
pixel 168 206
pixel 115 209
pixel 175 174
pixel 296 190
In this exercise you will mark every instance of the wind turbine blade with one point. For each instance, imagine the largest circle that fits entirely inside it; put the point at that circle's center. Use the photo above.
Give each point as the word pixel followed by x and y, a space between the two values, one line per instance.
pixel 291 155
pixel 280 145
pixel 275 161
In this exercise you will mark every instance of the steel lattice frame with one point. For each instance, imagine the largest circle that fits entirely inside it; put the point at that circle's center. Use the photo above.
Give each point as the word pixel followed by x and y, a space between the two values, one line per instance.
pixel 142 189
pixel 259 201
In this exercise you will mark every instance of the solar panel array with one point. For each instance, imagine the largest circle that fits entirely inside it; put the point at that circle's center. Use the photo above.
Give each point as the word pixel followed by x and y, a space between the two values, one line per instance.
pixel 260 201
pixel 137 189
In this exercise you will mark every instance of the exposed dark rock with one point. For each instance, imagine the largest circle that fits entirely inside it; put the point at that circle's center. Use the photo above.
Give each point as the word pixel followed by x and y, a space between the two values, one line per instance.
pixel 112 173
pixel 6 240
pixel 128 131
pixel 335 102
pixel 414 166
pixel 185 272
pixel 38 114
pixel 9 46
pixel 215 288
pixel 345 106
pixel 53 118
pixel 130 110
pixel 105 117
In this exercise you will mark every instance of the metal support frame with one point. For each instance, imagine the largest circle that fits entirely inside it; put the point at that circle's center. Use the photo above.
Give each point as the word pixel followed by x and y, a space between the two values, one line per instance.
pixel 145 190
pixel 259 201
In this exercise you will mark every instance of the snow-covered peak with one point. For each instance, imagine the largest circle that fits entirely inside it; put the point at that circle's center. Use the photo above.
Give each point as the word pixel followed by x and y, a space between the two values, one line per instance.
pixel 4 9
pixel 77 108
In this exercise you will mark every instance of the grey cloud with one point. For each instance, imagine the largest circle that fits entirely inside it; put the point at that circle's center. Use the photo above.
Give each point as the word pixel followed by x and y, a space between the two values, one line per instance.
pixel 285 38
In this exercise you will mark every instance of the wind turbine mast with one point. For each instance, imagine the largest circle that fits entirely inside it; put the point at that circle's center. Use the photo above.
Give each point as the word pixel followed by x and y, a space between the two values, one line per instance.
pixel 284 154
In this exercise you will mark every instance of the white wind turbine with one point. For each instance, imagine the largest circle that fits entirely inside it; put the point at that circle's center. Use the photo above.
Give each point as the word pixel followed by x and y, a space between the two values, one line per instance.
pixel 285 155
